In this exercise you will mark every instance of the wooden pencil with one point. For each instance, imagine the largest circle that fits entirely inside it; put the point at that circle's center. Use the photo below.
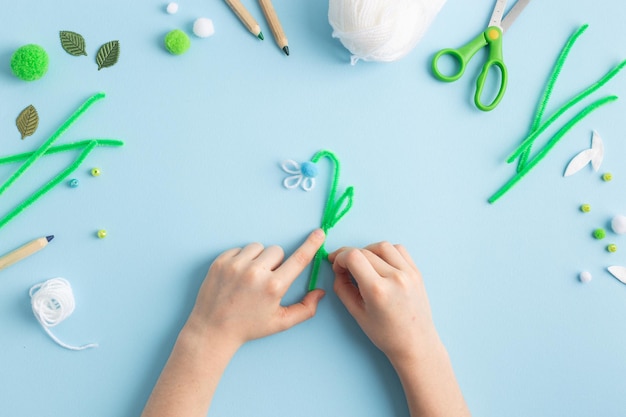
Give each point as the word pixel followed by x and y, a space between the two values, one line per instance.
pixel 246 18
pixel 275 26
pixel 24 251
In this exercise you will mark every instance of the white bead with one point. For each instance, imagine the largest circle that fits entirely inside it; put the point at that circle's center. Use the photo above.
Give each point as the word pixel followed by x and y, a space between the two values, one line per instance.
pixel 203 27
pixel 172 8
pixel 618 224
pixel 585 276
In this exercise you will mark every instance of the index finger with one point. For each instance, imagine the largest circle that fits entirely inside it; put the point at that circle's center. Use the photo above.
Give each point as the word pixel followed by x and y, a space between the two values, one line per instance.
pixel 303 256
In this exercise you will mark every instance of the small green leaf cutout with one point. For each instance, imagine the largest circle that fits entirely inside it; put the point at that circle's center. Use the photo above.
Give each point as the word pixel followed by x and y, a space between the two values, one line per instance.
pixel 108 54
pixel 27 121
pixel 72 43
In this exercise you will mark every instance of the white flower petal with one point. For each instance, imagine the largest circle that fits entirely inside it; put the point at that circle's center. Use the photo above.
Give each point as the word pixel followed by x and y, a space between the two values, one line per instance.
pixel 598 147
pixel 291 167
pixel 292 181
pixel 308 183
pixel 579 162
pixel 618 272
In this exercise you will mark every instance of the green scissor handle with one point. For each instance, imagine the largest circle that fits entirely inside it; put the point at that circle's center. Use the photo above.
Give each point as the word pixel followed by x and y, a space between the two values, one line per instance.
pixel 492 36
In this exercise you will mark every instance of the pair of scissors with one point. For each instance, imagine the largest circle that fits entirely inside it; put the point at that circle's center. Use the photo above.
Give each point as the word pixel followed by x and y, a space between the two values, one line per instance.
pixel 491 37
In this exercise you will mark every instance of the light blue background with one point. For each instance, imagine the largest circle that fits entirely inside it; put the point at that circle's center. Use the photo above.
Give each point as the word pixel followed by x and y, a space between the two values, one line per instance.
pixel 205 134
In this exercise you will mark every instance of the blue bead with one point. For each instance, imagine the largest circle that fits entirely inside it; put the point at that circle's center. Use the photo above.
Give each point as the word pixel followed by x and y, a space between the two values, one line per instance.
pixel 73 183
pixel 309 169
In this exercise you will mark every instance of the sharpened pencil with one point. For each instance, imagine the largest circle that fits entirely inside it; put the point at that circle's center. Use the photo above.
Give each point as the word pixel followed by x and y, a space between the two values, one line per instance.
pixel 246 18
pixel 275 26
pixel 24 251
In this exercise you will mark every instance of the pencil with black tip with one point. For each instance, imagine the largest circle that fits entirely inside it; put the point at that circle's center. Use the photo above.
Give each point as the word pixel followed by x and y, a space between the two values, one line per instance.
pixel 24 251
pixel 275 26
pixel 246 18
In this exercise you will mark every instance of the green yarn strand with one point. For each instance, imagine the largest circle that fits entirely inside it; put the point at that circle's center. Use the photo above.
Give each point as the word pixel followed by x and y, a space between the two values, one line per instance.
pixel 50 185
pixel 47 144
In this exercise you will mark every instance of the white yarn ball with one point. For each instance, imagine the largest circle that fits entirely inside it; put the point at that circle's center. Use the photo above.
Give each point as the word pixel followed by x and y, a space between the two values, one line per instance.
pixel 618 224
pixel 203 27
pixel 381 30
pixel 172 8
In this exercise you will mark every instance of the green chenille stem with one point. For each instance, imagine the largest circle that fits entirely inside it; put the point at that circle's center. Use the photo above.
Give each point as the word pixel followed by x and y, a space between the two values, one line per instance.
pixel 548 90
pixel 47 144
pixel 53 183
pixel 333 211
pixel 525 146
pixel 62 148
pixel 544 151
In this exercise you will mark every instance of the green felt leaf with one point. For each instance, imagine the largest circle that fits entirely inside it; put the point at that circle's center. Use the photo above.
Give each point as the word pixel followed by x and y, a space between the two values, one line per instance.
pixel 27 121
pixel 72 43
pixel 108 54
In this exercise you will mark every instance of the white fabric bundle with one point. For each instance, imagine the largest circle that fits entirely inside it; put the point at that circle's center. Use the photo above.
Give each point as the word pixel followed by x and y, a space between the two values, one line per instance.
pixel 381 30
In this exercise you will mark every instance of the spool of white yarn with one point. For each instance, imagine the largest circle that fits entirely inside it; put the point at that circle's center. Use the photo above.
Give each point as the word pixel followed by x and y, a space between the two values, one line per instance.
pixel 381 30
pixel 52 302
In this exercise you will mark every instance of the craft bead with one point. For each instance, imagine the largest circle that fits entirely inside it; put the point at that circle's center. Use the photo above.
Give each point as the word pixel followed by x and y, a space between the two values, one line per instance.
pixel 607 177
pixel 599 233
pixel 618 224
pixel 203 27
pixel 96 172
pixel 612 248
pixel 73 183
pixel 102 234
pixel 585 208
pixel 585 276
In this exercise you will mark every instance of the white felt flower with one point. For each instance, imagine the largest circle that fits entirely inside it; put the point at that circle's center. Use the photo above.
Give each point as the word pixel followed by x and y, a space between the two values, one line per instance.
pixel 302 174
pixel 618 272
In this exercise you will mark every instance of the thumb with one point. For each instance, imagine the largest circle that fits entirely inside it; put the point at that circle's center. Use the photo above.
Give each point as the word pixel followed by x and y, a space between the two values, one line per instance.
pixel 302 311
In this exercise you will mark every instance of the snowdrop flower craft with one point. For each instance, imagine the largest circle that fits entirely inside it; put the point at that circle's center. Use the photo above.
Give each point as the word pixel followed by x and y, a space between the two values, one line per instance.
pixel 303 175
pixel 595 155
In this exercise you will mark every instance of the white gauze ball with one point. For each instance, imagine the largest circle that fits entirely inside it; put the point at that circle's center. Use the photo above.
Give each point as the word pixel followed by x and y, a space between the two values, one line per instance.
pixel 381 30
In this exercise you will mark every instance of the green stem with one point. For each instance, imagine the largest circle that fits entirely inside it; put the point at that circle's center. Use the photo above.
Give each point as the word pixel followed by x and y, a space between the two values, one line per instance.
pixel 61 148
pixel 555 139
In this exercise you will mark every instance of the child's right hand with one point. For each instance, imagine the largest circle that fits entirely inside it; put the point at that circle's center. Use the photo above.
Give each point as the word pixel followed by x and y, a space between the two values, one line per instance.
pixel 389 301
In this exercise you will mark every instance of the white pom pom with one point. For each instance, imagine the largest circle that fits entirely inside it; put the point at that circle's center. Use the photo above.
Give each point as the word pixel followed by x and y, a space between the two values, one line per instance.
pixel 172 8
pixel 618 224
pixel 203 27
pixel 585 276
pixel 381 30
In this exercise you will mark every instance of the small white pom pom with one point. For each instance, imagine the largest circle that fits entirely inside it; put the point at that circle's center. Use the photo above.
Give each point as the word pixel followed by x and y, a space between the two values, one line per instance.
pixel 618 224
pixel 585 276
pixel 172 8
pixel 381 30
pixel 203 27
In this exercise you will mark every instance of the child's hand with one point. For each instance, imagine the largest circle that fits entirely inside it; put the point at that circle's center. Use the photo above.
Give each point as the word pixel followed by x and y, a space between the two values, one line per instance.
pixel 390 302
pixel 240 297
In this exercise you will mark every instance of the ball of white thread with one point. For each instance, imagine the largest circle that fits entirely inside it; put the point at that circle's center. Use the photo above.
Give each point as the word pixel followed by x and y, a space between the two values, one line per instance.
pixel 52 302
pixel 203 27
pixel 618 224
pixel 381 30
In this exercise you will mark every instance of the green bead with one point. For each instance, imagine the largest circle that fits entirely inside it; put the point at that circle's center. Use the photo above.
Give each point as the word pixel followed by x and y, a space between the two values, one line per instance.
pixel 96 172
pixel 585 208
pixel 177 42
pixel 29 62
pixel 102 234
pixel 607 176
pixel 599 234
pixel 612 248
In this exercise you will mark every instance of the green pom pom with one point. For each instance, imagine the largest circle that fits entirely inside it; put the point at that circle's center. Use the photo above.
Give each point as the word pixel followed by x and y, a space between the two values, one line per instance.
pixel 29 62
pixel 599 234
pixel 177 42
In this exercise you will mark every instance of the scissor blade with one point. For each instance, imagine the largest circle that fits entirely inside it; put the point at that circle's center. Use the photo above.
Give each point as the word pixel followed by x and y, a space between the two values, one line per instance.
pixel 513 13
pixel 498 12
